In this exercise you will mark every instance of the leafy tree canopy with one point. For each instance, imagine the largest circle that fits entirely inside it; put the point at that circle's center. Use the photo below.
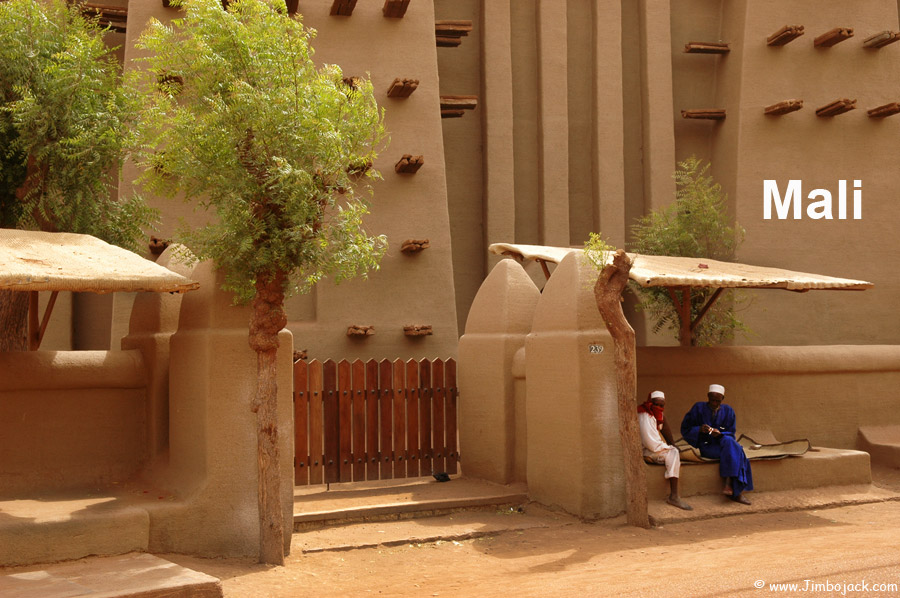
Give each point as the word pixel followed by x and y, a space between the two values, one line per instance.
pixel 695 225
pixel 63 120
pixel 241 119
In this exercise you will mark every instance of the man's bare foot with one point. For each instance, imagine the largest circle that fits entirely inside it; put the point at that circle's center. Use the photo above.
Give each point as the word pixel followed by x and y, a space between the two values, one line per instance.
pixel 727 491
pixel 677 502
pixel 741 499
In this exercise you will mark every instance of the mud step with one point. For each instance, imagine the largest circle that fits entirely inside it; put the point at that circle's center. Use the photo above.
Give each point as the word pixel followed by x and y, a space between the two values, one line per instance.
pixel 361 502
pixel 135 575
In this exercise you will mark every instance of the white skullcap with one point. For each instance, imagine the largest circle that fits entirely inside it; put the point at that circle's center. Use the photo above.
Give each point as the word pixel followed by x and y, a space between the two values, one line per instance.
pixel 657 394
pixel 717 388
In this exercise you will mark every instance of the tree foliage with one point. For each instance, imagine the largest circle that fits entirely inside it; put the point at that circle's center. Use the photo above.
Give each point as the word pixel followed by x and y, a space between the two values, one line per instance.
pixel 695 225
pixel 240 119
pixel 63 121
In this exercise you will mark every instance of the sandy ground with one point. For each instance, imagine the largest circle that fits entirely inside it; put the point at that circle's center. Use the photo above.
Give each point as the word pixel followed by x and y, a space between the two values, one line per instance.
pixel 844 551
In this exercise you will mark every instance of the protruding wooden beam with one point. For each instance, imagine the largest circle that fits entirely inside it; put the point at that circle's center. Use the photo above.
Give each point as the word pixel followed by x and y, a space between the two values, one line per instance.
pixel 415 245
pixel 786 34
pixel 704 113
pixel 114 17
pixel 459 102
pixel 357 330
pixel 418 330
pixel 449 34
pixel 394 9
pixel 784 107
pixel 836 107
pixel 880 40
pixel 447 42
pixel 402 88
pixel 409 164
pixel 884 111
pixel 454 106
pixel 342 8
pixel 832 37
pixel 706 48
pixel 157 245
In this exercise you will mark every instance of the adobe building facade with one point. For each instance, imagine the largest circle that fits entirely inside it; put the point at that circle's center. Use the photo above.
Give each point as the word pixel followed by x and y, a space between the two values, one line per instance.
pixel 578 128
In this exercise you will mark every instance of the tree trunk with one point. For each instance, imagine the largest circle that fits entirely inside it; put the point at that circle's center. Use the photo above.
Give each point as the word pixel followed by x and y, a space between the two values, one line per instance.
pixel 266 320
pixel 13 320
pixel 608 294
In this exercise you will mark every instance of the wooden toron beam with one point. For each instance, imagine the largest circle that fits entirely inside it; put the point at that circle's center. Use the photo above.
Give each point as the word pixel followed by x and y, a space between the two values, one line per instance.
pixel 884 111
pixel 784 107
pixel 706 48
pixel 833 36
pixel 395 9
pixel 785 35
pixel 342 8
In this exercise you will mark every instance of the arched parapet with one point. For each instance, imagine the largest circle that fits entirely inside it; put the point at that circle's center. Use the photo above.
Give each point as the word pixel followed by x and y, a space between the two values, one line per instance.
pixel 574 451
pixel 492 423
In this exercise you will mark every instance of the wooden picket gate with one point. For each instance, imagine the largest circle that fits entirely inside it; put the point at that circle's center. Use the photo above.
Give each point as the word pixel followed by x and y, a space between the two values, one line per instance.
pixel 373 420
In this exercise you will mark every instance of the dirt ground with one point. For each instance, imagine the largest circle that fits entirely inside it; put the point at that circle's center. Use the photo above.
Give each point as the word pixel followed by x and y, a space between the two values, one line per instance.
pixel 845 551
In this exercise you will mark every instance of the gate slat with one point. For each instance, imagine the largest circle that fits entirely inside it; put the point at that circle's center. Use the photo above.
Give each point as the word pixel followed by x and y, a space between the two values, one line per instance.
pixel 414 455
pixel 385 397
pixel 400 454
pixel 345 416
pixel 301 423
pixel 332 434
pixel 451 424
pixel 316 423
pixel 372 420
pixel 358 389
pixel 427 466
pixel 437 411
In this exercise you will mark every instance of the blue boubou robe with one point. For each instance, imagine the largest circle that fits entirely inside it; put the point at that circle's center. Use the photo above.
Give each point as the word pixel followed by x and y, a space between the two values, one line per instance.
pixel 733 463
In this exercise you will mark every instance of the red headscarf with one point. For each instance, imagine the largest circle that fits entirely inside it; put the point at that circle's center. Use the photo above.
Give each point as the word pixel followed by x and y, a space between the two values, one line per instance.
pixel 654 410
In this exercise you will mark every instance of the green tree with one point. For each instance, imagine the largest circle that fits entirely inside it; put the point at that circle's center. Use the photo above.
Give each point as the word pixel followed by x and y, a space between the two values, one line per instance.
pixel 695 225
pixel 239 118
pixel 63 116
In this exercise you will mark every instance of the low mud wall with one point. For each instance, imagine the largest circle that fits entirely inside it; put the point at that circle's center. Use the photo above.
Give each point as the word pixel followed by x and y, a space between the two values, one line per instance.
pixel 823 393
pixel 70 420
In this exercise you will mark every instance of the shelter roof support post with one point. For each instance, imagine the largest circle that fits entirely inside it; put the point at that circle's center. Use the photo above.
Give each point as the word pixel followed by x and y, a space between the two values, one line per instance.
pixel 683 306
pixel 35 331
pixel 706 307
pixel 34 338
pixel 608 294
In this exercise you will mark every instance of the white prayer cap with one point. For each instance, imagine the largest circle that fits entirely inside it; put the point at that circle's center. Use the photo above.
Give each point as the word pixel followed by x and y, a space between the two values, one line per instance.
pixel 717 388
pixel 657 394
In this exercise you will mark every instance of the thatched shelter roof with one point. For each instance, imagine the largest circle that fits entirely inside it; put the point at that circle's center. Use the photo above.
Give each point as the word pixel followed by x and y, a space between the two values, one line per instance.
pixel 39 261
pixel 664 271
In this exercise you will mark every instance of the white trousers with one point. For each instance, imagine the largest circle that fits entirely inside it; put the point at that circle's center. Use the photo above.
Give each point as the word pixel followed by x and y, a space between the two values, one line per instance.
pixel 670 457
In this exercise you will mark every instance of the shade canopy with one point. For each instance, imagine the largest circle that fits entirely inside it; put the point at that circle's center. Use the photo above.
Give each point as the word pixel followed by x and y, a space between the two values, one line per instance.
pixel 39 261
pixel 665 271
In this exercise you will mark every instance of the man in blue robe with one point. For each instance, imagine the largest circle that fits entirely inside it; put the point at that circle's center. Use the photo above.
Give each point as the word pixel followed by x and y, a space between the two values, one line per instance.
pixel 710 427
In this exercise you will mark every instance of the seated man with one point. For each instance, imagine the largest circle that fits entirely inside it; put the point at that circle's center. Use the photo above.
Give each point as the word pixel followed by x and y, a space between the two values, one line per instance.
pixel 651 419
pixel 710 427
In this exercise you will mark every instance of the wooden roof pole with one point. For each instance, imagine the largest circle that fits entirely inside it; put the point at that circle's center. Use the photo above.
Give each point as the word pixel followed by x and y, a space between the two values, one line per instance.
pixel 608 294
pixel 706 307
pixel 683 307
pixel 36 332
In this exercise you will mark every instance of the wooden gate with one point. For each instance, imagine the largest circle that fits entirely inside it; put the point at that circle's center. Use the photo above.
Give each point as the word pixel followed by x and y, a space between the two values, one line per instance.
pixel 373 420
